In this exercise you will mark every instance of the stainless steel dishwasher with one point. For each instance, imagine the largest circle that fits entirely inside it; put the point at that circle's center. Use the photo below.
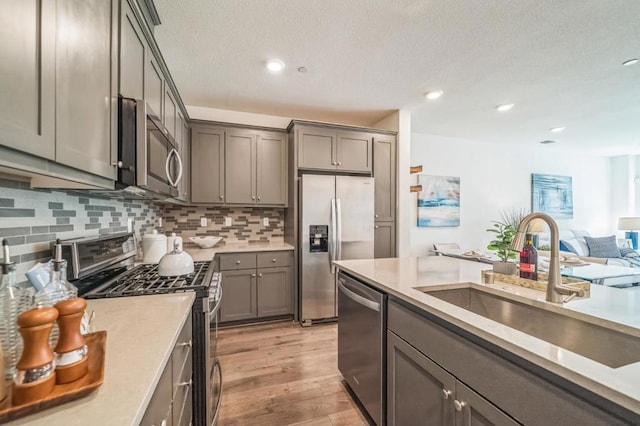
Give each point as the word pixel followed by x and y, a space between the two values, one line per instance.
pixel 362 321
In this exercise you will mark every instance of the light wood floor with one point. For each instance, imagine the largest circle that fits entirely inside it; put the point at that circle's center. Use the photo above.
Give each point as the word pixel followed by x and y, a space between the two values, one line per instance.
pixel 283 374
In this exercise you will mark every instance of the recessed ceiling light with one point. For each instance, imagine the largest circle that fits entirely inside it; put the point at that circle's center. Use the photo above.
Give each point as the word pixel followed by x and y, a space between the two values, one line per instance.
pixel 435 94
pixel 505 107
pixel 275 65
pixel 557 129
pixel 630 62
pixel 547 142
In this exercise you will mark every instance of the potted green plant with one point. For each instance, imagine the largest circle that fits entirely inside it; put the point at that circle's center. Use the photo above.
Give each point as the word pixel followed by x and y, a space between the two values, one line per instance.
pixel 504 234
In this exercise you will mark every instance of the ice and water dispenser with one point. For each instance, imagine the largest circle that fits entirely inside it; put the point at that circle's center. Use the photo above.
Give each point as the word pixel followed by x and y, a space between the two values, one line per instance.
pixel 318 238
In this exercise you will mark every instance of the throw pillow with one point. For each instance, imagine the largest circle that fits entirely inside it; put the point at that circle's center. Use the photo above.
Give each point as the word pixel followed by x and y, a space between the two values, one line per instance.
pixel 577 246
pixel 603 246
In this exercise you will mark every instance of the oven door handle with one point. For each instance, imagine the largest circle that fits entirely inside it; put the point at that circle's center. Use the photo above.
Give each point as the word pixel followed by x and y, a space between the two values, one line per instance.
pixel 218 403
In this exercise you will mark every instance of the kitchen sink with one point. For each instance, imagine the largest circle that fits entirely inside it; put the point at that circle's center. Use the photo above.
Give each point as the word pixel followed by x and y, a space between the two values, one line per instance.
pixel 604 345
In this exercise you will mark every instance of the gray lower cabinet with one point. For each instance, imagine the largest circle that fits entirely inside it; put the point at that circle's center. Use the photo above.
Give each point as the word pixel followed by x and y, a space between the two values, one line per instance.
pixel 86 85
pixel 170 404
pixel 255 285
pixel 384 240
pixel 505 391
pixel 384 172
pixel 421 392
pixel 274 292
pixel 239 301
pixel 27 76
pixel 333 149
pixel 207 165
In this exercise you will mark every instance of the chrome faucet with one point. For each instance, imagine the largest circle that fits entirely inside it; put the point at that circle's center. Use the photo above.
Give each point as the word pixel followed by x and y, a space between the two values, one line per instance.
pixel 555 289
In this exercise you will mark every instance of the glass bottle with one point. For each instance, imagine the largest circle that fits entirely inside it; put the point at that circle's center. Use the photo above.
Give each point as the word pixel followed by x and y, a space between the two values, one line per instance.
pixel 57 289
pixel 529 260
pixel 14 299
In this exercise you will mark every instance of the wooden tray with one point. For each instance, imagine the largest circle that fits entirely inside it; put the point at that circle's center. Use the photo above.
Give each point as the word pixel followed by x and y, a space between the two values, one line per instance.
pixel 96 344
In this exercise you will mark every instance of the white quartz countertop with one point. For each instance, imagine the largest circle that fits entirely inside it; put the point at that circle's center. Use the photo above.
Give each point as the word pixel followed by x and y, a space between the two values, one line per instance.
pixel 199 254
pixel 611 307
pixel 141 333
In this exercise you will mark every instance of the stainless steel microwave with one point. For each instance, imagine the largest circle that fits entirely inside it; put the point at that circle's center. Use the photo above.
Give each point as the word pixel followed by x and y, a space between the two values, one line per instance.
pixel 149 160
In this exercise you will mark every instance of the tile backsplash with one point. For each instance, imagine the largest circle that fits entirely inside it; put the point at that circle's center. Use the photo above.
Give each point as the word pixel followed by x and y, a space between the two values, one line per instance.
pixel 31 219
pixel 247 222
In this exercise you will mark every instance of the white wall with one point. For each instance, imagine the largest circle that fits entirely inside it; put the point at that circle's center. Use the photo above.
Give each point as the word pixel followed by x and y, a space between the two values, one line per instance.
pixel 493 179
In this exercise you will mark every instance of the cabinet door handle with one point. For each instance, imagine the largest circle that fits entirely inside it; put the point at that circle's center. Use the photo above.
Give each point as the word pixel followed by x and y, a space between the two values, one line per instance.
pixel 237 262
pixel 333 163
pixel 446 393
pixel 260 274
pixel 258 198
pixel 377 227
pixel 222 197
pixel 189 383
pixel 339 163
pixel 459 405
pixel 117 164
pixel 273 260
pixel 253 275
pixel 253 198
pixel 189 344
pixel 377 215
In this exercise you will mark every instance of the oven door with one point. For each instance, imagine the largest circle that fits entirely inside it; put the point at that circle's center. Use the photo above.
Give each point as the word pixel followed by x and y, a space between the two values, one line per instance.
pixel 159 166
pixel 214 369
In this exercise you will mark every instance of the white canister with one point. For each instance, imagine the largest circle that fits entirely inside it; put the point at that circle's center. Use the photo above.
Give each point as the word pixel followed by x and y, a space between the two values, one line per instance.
pixel 154 246
pixel 173 239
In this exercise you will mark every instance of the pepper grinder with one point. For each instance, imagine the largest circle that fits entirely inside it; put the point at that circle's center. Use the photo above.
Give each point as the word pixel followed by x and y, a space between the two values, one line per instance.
pixel 36 374
pixel 72 361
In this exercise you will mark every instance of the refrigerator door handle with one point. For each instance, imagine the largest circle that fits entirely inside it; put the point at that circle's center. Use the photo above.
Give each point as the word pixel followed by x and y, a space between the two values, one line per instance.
pixel 338 229
pixel 332 236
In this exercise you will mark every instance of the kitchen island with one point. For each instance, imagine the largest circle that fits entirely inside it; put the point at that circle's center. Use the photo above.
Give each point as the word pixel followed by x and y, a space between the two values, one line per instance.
pixel 559 371
pixel 141 334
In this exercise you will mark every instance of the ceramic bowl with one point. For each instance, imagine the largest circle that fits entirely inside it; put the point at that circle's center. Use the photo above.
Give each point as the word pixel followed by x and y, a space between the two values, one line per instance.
pixel 206 242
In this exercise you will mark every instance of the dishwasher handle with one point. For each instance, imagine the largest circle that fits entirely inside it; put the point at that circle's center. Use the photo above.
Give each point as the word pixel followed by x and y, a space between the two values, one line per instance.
pixel 370 304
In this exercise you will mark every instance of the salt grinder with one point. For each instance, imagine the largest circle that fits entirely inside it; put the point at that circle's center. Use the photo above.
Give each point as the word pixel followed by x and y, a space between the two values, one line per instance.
pixel 36 374
pixel 72 361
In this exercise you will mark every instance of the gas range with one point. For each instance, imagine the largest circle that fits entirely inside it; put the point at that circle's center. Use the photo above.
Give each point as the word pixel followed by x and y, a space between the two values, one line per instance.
pixel 102 267
pixel 144 280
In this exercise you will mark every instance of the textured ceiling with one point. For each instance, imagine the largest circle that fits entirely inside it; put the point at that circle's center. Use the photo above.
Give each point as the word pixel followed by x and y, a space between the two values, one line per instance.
pixel 558 61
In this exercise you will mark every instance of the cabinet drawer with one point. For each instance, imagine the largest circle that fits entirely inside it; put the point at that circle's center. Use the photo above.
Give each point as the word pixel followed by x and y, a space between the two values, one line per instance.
pixel 274 259
pixel 234 261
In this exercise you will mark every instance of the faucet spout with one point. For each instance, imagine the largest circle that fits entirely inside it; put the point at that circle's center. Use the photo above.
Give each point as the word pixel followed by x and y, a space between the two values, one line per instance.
pixel 555 290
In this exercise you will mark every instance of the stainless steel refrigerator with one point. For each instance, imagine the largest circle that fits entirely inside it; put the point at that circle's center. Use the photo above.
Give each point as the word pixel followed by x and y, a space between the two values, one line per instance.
pixel 336 224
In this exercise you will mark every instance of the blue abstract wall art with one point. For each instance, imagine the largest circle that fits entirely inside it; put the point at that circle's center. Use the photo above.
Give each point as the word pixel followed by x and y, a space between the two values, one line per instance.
pixel 439 201
pixel 553 195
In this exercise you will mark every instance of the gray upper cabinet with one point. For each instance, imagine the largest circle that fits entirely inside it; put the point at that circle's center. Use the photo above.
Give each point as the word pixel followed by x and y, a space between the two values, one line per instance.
pixel 207 165
pixel 27 76
pixel 316 148
pixel 239 164
pixel 384 172
pixel 170 112
pixel 86 80
pixel 154 85
pixel 327 148
pixel 253 166
pixel 353 152
pixel 184 142
pixel 271 169
pixel 133 48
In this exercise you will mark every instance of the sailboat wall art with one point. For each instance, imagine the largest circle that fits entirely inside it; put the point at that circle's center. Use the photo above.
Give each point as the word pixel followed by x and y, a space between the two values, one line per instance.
pixel 439 201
